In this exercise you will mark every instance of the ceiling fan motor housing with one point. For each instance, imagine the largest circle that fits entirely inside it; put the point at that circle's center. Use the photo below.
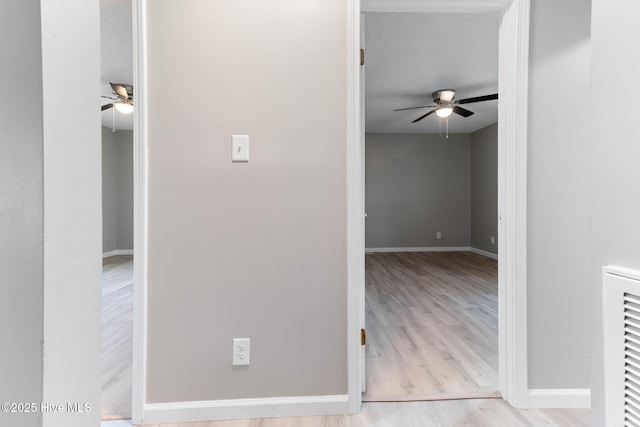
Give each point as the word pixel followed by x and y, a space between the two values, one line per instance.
pixel 443 95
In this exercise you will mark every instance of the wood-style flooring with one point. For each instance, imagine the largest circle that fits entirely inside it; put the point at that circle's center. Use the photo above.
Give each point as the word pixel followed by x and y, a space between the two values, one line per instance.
pixel 470 315
pixel 446 413
pixel 117 337
pixel 432 326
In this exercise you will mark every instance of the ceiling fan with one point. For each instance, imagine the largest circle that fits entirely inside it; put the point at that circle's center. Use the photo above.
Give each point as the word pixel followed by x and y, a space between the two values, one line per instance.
pixel 123 100
pixel 445 104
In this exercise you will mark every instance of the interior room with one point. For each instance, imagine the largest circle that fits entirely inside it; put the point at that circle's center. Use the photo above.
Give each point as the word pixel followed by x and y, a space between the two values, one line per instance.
pixel 250 192
pixel 431 203
pixel 116 49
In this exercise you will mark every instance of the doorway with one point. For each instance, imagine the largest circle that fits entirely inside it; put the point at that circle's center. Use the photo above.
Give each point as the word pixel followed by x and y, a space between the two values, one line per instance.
pixel 432 306
pixel 117 208
pixel 512 162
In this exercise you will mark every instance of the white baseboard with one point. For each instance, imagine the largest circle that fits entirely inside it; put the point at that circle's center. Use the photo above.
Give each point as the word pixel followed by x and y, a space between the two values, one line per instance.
pixel 484 253
pixel 182 412
pixel 436 249
pixel 422 249
pixel 562 398
pixel 117 252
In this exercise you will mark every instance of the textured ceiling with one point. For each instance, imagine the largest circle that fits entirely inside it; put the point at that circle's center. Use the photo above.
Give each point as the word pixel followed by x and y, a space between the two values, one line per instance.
pixel 116 55
pixel 411 55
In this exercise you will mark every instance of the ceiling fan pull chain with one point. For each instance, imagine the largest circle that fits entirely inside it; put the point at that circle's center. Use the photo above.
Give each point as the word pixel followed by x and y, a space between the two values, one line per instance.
pixel 447 125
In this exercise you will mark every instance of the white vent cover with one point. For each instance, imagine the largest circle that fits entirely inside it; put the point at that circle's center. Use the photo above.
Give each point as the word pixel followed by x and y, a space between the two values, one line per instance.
pixel 621 310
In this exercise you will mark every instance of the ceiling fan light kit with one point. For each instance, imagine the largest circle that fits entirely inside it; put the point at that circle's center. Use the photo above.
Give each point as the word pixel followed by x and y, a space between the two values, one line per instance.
pixel 444 112
pixel 124 107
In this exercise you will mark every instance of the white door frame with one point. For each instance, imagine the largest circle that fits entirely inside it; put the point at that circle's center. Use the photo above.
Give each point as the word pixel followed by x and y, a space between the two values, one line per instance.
pixel 512 186
pixel 140 202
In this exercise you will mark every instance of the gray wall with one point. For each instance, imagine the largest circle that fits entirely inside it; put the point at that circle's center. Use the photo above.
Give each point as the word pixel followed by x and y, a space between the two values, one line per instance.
pixel 21 210
pixel 558 294
pixel 257 249
pixel 484 188
pixel 415 186
pixel 614 193
pixel 109 190
pixel 117 190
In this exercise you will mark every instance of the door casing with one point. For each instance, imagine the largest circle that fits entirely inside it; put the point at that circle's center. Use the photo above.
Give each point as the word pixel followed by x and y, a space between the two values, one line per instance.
pixel 512 187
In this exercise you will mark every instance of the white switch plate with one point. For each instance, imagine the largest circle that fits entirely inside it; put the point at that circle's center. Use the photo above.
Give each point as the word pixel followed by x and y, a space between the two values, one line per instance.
pixel 241 351
pixel 439 235
pixel 493 240
pixel 239 148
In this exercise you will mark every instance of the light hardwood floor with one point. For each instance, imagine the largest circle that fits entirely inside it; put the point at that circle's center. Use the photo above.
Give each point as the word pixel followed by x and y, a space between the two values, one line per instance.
pixel 117 337
pixel 476 413
pixel 432 326
pixel 382 298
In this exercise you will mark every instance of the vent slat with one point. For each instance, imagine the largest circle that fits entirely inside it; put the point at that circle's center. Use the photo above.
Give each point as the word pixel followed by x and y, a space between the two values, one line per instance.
pixel 631 401
pixel 634 324
pixel 633 363
pixel 633 379
pixel 630 333
pixel 633 350
pixel 632 309
pixel 632 394
pixel 631 298
pixel 632 343
pixel 631 314
pixel 632 386
pixel 632 410
pixel 630 330
pixel 631 418
pixel 632 369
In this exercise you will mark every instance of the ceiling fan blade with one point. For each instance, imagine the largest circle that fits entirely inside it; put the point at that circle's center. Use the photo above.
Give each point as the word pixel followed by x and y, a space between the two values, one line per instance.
pixel 122 90
pixel 478 99
pixel 462 111
pixel 106 106
pixel 415 108
pixel 423 116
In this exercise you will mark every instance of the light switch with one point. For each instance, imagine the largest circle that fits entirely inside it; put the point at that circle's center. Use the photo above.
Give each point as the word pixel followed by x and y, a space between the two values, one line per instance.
pixel 239 148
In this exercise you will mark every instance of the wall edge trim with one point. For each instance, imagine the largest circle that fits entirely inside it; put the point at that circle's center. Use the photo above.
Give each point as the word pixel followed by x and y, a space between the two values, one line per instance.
pixel 484 253
pixel 421 249
pixel 270 407
pixel 560 398
pixel 117 252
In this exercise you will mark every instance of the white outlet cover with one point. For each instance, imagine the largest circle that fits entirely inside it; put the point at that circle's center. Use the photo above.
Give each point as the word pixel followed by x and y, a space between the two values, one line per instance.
pixel 241 351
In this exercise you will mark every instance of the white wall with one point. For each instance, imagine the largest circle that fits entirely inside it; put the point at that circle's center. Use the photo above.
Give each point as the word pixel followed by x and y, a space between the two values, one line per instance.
pixel 72 217
pixel 257 249
pixel 558 229
pixel 614 193
pixel 21 209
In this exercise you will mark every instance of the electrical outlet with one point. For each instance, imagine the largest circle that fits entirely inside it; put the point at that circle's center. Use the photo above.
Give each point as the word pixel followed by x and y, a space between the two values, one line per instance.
pixel 493 240
pixel 241 351
pixel 439 235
